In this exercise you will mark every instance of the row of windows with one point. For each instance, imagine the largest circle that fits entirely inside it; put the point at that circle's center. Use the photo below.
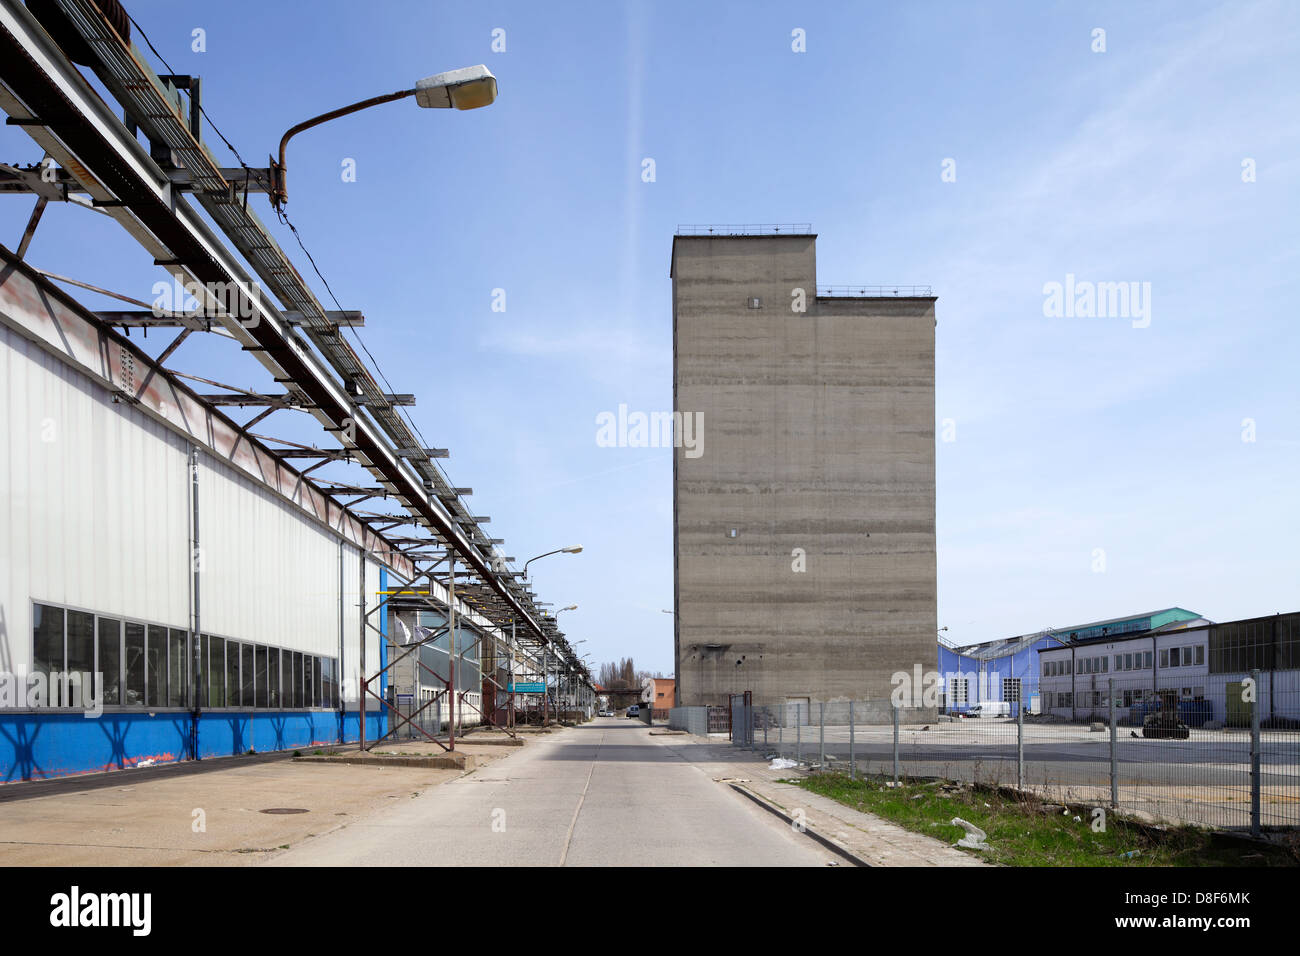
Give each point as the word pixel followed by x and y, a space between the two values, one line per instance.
pixel 1060 668
pixel 1189 656
pixel 148 665
pixel 1130 698
pixel 1104 630
pixel 1137 661
pixel 958 690
pixel 1087 665
pixel 1182 656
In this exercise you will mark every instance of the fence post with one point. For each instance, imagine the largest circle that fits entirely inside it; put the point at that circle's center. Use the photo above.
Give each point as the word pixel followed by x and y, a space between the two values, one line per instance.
pixel 798 733
pixel 1020 745
pixel 894 708
pixel 852 762
pixel 821 731
pixel 1254 757
pixel 1114 745
pixel 766 721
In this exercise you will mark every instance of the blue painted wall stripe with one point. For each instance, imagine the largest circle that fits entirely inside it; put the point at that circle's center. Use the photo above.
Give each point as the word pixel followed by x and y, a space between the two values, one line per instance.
pixel 39 746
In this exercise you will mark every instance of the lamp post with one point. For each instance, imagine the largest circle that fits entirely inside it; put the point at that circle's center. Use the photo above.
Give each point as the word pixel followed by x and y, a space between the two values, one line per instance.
pixel 677 684
pixel 465 89
pixel 571 549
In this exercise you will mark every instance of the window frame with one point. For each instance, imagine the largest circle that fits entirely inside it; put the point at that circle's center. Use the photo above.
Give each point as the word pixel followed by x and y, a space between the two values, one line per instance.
pixel 319 686
pixel 122 620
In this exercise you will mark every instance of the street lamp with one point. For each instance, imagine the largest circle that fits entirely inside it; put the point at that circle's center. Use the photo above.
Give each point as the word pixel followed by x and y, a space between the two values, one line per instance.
pixel 465 89
pixel 571 549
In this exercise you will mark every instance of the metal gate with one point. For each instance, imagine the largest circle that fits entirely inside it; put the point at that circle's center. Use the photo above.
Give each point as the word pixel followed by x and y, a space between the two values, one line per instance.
pixel 742 719
pixel 719 720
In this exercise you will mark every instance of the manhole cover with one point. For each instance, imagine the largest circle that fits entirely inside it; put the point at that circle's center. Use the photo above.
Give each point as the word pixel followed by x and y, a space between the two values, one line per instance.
pixel 285 810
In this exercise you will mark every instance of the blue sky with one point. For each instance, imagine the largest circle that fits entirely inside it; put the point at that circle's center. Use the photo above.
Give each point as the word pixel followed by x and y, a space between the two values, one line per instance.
pixel 1074 437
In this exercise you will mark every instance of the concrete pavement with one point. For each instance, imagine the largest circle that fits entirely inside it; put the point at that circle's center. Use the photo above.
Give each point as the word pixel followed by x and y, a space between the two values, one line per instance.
pixel 213 814
pixel 608 793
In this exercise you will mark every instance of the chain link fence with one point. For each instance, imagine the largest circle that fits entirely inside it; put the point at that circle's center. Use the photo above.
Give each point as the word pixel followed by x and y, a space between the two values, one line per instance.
pixel 1159 756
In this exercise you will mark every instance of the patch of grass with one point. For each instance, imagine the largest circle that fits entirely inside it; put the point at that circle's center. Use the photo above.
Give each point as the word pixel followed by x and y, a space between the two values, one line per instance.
pixel 1026 831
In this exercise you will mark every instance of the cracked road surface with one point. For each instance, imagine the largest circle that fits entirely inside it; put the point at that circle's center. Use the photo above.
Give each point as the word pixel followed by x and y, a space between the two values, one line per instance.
pixel 607 793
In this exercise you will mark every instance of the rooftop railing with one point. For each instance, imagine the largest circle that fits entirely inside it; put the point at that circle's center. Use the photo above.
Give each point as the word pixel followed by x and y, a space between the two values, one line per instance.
pixel 750 229
pixel 873 291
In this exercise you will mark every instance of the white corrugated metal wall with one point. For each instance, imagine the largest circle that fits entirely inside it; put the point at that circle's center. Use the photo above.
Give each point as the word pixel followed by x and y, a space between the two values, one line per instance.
pixel 95 500
pixel 352 624
pixel 95 514
pixel 266 575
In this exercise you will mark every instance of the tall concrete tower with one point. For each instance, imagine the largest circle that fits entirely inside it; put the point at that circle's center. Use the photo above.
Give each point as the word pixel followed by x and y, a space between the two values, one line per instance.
pixel 804 517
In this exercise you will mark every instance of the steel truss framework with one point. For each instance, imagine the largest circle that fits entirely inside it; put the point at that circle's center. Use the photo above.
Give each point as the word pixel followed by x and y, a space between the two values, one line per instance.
pixel 95 159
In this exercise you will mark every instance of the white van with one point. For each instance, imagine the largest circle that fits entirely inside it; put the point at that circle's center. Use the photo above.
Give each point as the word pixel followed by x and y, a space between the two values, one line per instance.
pixel 990 708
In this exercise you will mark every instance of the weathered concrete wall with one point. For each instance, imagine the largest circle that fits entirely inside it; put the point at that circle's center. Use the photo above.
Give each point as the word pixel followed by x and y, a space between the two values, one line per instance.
pixel 693 720
pixel 818 434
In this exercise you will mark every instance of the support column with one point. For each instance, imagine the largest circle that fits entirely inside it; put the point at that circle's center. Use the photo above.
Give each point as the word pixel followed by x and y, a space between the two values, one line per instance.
pixel 451 644
pixel 338 676
pixel 361 654
pixel 196 564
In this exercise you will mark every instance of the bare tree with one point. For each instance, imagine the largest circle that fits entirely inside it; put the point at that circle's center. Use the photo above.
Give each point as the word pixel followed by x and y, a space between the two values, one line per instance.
pixel 621 675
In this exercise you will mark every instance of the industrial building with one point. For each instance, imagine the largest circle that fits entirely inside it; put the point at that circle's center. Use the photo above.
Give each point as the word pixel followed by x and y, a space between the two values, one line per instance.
pixel 1008 669
pixel 804 513
pixel 658 693
pixel 1195 666
pixel 177 581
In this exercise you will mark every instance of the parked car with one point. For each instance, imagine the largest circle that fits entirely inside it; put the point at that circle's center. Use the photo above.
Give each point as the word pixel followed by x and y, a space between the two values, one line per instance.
pixel 991 708
pixel 607 713
pixel 634 711
pixel 1165 724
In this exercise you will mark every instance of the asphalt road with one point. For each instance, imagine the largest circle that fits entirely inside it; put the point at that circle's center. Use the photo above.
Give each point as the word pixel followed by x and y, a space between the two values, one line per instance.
pixel 604 794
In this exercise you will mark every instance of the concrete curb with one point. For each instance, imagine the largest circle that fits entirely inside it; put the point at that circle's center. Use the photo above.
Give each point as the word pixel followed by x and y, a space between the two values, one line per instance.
pixel 803 828
pixel 451 761
pixel 491 741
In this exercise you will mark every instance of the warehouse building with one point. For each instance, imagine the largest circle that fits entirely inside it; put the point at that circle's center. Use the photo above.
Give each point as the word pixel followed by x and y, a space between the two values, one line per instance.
pixel 1194 666
pixel 1167 661
pixel 804 515
pixel 1001 670
pixel 1009 669
pixel 126 522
